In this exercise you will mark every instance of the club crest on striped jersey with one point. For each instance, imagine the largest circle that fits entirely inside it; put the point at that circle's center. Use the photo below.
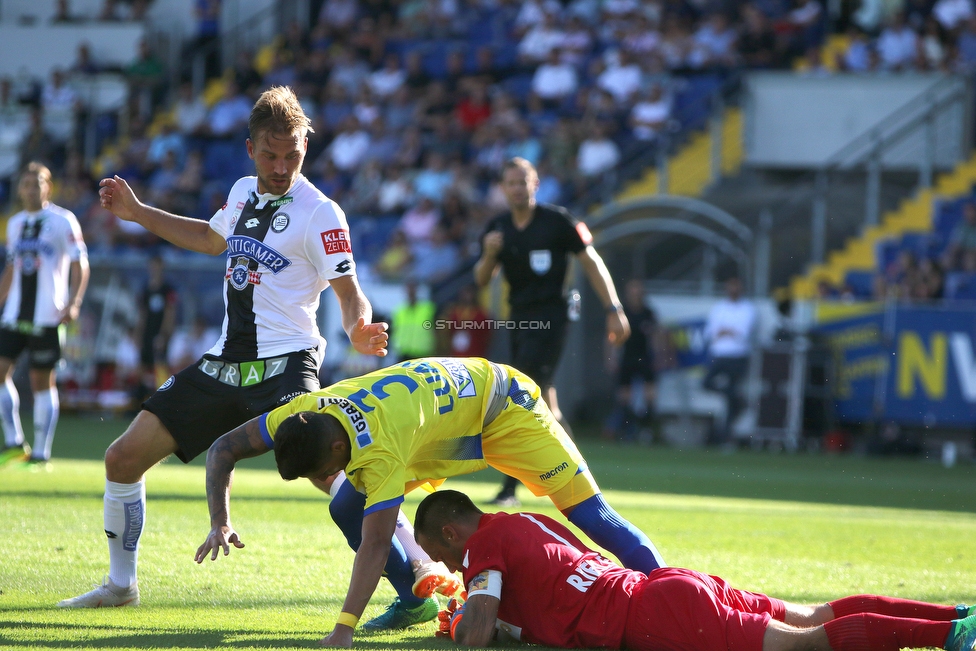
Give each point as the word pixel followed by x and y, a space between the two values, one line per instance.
pixel 280 222
pixel 247 247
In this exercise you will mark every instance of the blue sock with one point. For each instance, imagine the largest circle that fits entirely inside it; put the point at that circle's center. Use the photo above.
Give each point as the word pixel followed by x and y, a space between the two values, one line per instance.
pixel 606 528
pixel 346 510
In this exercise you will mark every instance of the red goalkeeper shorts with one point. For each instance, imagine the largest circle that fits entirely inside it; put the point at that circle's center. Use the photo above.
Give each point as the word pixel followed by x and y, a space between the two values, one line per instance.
pixel 676 609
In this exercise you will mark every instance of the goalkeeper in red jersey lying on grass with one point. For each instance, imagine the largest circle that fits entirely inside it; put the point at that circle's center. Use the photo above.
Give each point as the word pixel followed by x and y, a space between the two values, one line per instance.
pixel 528 577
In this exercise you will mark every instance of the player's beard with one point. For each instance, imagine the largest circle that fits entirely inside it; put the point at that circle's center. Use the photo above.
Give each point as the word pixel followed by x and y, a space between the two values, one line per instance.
pixel 277 185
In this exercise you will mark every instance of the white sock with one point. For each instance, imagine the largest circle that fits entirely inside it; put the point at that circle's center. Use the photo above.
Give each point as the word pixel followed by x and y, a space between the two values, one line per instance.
pixel 404 533
pixel 125 514
pixel 334 488
pixel 47 408
pixel 13 433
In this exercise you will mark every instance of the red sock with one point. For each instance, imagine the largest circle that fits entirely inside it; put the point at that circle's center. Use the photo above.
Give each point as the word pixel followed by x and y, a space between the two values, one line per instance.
pixel 893 607
pixel 871 632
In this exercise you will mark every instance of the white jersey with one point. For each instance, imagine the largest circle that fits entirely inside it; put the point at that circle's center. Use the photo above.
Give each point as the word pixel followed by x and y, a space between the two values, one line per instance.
pixel 41 247
pixel 281 253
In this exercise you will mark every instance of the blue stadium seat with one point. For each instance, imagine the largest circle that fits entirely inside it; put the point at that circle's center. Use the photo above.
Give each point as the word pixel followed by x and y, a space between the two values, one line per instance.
pixel 861 283
pixel 922 245
pixel 518 86
pixel 370 234
pixel 886 253
pixel 960 286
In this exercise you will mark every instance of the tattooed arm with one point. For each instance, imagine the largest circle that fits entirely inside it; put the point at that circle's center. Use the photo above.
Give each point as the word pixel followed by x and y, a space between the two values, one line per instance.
pixel 477 626
pixel 240 443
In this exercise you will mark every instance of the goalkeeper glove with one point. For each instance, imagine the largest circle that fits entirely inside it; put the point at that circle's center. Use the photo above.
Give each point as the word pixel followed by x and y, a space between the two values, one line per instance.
pixel 449 619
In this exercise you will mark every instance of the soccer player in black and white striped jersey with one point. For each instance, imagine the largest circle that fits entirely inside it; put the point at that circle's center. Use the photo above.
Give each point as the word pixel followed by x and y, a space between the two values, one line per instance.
pixel 285 243
pixel 43 285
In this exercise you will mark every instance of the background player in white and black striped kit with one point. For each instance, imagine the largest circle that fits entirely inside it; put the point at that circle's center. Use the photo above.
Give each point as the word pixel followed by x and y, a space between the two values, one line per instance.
pixel 43 285
pixel 285 243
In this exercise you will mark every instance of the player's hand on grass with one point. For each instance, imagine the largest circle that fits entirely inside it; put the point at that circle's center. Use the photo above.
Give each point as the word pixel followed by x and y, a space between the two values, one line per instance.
pixel 340 637
pixel 117 197
pixel 370 338
pixel 448 620
pixel 220 538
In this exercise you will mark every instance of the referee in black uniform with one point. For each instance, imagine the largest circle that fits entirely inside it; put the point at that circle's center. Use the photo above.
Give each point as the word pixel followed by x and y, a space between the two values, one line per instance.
pixel 532 244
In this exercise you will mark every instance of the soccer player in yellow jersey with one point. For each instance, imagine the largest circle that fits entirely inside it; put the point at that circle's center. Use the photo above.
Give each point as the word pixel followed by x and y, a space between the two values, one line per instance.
pixel 418 423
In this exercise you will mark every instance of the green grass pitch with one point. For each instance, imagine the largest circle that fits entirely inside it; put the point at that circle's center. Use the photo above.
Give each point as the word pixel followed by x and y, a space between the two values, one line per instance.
pixel 806 528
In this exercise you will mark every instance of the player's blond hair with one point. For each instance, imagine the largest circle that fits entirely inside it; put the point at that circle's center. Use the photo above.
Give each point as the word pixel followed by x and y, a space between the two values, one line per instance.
pixel 278 111
pixel 41 170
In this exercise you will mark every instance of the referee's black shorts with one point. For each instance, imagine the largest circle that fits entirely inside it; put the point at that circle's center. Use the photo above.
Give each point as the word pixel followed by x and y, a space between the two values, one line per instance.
pixel 204 401
pixel 538 341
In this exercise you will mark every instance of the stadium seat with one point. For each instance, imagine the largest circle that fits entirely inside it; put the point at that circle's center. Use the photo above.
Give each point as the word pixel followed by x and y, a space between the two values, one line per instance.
pixel 860 283
pixel 960 286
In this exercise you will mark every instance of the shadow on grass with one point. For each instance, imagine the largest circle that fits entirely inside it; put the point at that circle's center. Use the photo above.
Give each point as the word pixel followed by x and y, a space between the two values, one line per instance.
pixel 130 639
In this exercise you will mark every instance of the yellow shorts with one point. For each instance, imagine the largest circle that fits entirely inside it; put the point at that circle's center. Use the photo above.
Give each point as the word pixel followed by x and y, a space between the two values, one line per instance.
pixel 526 442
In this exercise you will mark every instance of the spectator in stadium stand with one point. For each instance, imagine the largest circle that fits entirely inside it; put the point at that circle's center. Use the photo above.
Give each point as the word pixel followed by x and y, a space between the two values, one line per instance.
pixel 650 113
pixel 757 41
pixel 542 38
pixel 39 145
pixel 395 262
pixel 157 321
pixel 898 44
pixel 400 111
pixel 145 77
pixel 530 579
pixel 190 111
pixel 256 363
pixel 433 180
pixel 966 46
pixel 436 259
pixel 429 419
pixel 932 49
pixel 729 332
pixel 962 239
pixel 229 115
pixel 714 43
pixel 475 108
pixel 339 15
pixel 952 13
pixel 389 79
pixel 395 192
pixel 523 144
pixel 347 149
pixel 621 78
pixel 466 333
pixel 597 154
pixel 411 334
pixel 42 287
pixel 857 56
pixel 554 80
pixel 418 223
pixel 531 244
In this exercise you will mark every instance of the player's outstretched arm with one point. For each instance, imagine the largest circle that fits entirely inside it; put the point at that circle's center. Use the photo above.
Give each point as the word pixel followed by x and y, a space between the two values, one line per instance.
pixel 117 197
pixel 476 626
pixel 366 338
pixel 240 443
pixel 378 529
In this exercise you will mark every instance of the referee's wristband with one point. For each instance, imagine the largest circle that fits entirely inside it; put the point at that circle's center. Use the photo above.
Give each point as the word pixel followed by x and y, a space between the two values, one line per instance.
pixel 347 619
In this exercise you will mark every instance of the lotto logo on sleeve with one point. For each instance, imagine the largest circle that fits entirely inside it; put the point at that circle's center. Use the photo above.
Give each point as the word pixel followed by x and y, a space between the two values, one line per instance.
pixel 336 241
